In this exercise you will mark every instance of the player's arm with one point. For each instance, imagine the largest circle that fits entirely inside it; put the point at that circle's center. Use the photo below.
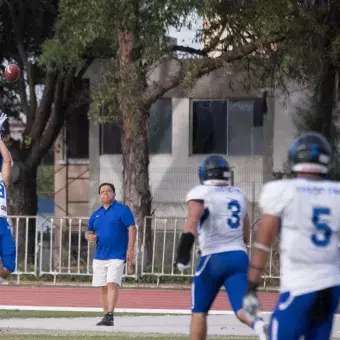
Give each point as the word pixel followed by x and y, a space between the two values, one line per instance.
pixel 274 198
pixel 90 234
pixel 268 229
pixel 195 213
pixel 6 156
pixel 246 229
pixel 6 165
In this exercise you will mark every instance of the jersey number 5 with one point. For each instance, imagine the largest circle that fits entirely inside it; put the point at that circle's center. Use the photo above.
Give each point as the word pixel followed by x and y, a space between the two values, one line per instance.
pixel 234 220
pixel 322 227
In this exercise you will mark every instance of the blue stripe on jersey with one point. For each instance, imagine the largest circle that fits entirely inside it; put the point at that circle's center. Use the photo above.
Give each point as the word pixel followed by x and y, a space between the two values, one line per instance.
pixel 205 216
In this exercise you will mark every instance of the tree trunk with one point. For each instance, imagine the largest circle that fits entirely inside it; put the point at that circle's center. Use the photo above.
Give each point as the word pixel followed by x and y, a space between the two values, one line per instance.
pixel 137 193
pixel 325 119
pixel 134 138
pixel 22 202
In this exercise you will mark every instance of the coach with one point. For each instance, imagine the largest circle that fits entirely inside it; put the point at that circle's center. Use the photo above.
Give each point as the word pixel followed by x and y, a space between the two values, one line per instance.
pixel 113 229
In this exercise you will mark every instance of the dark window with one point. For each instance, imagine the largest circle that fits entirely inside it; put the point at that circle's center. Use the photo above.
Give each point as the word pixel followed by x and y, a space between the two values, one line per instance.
pixel 77 135
pixel 240 127
pixel 209 126
pixel 110 143
pixel 160 131
pixel 226 127
pixel 160 127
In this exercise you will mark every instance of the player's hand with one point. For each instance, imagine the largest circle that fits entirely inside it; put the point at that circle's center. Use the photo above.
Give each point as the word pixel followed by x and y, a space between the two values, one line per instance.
pixel 91 237
pixel 183 257
pixel 3 118
pixel 182 262
pixel 130 255
pixel 251 305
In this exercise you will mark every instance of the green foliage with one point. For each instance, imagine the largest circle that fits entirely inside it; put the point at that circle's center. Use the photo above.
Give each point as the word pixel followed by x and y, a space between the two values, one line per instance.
pixel 45 180
pixel 27 25
pixel 91 27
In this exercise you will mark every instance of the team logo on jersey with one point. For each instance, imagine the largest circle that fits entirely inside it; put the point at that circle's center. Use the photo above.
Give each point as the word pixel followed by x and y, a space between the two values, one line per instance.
pixel 4 208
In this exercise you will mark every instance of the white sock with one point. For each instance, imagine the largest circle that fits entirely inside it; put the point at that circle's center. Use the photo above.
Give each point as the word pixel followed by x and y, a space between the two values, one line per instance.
pixel 3 281
pixel 258 326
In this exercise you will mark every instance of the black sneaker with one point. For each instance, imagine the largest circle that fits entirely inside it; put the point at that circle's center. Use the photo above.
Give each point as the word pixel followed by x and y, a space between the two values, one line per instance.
pixel 107 320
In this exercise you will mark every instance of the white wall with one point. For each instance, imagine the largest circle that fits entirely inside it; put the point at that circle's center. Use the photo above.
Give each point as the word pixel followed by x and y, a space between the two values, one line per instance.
pixel 172 175
pixel 286 105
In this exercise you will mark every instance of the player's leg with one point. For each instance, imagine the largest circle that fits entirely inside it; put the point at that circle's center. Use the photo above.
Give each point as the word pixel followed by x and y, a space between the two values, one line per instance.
pixel 204 289
pixel 99 280
pixel 8 250
pixel 322 314
pixel 115 271
pixel 236 287
pixel 290 317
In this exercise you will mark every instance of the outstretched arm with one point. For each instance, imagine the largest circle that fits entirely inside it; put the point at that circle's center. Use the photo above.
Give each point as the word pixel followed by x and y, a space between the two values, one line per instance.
pixel 6 156
pixel 6 164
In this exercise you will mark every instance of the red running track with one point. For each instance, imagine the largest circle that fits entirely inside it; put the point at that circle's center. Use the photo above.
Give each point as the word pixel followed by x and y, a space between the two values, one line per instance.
pixel 128 298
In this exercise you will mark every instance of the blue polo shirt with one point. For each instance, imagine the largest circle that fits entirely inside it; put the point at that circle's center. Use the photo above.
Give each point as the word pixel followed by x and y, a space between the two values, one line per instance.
pixel 111 228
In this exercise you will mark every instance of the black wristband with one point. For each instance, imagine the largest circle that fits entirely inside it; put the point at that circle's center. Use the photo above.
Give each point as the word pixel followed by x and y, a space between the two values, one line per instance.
pixel 252 287
pixel 184 248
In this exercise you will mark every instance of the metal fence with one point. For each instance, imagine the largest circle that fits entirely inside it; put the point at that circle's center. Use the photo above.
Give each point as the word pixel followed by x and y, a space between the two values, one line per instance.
pixel 165 235
pixel 56 248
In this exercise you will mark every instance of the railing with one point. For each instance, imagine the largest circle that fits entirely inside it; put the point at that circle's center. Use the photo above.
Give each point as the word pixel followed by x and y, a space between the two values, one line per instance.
pixel 56 248
pixel 165 234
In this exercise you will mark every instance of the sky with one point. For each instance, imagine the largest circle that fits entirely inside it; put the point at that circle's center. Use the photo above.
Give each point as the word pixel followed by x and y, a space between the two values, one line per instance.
pixel 185 36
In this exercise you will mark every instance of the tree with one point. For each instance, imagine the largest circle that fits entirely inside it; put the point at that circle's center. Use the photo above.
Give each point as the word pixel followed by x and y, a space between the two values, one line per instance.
pixel 133 34
pixel 312 60
pixel 25 26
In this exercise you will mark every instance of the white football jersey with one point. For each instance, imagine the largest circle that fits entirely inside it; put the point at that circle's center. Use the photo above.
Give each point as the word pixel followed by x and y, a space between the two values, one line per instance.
pixel 221 227
pixel 309 233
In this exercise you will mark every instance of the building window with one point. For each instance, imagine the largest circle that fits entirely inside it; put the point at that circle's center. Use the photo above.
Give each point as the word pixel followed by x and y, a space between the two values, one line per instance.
pixel 209 122
pixel 226 127
pixel 110 143
pixel 159 127
pixel 77 135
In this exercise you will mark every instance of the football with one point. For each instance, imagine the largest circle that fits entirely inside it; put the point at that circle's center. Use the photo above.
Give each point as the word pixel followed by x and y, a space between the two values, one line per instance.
pixel 12 73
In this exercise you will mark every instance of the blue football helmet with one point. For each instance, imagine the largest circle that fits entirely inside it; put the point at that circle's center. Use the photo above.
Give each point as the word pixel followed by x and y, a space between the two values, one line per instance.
pixel 214 169
pixel 310 153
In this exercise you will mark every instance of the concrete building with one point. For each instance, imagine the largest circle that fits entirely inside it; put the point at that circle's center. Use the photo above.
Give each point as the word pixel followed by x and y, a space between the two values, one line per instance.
pixel 216 116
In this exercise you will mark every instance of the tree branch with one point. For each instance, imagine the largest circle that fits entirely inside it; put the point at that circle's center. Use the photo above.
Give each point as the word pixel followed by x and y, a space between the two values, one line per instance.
pixel 45 107
pixel 32 106
pixel 22 92
pixel 191 50
pixel 53 127
pixel 204 66
pixel 217 40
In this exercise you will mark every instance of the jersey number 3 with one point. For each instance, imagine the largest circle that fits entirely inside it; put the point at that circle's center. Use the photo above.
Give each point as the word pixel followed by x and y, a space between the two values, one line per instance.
pixel 323 227
pixel 234 220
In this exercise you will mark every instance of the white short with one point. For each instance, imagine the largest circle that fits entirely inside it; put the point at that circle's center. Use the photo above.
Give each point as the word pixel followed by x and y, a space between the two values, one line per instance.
pixel 105 271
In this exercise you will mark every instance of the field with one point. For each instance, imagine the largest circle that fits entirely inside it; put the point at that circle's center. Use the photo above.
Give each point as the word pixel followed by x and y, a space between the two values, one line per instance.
pixel 37 325
pixel 12 336
pixel 50 325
